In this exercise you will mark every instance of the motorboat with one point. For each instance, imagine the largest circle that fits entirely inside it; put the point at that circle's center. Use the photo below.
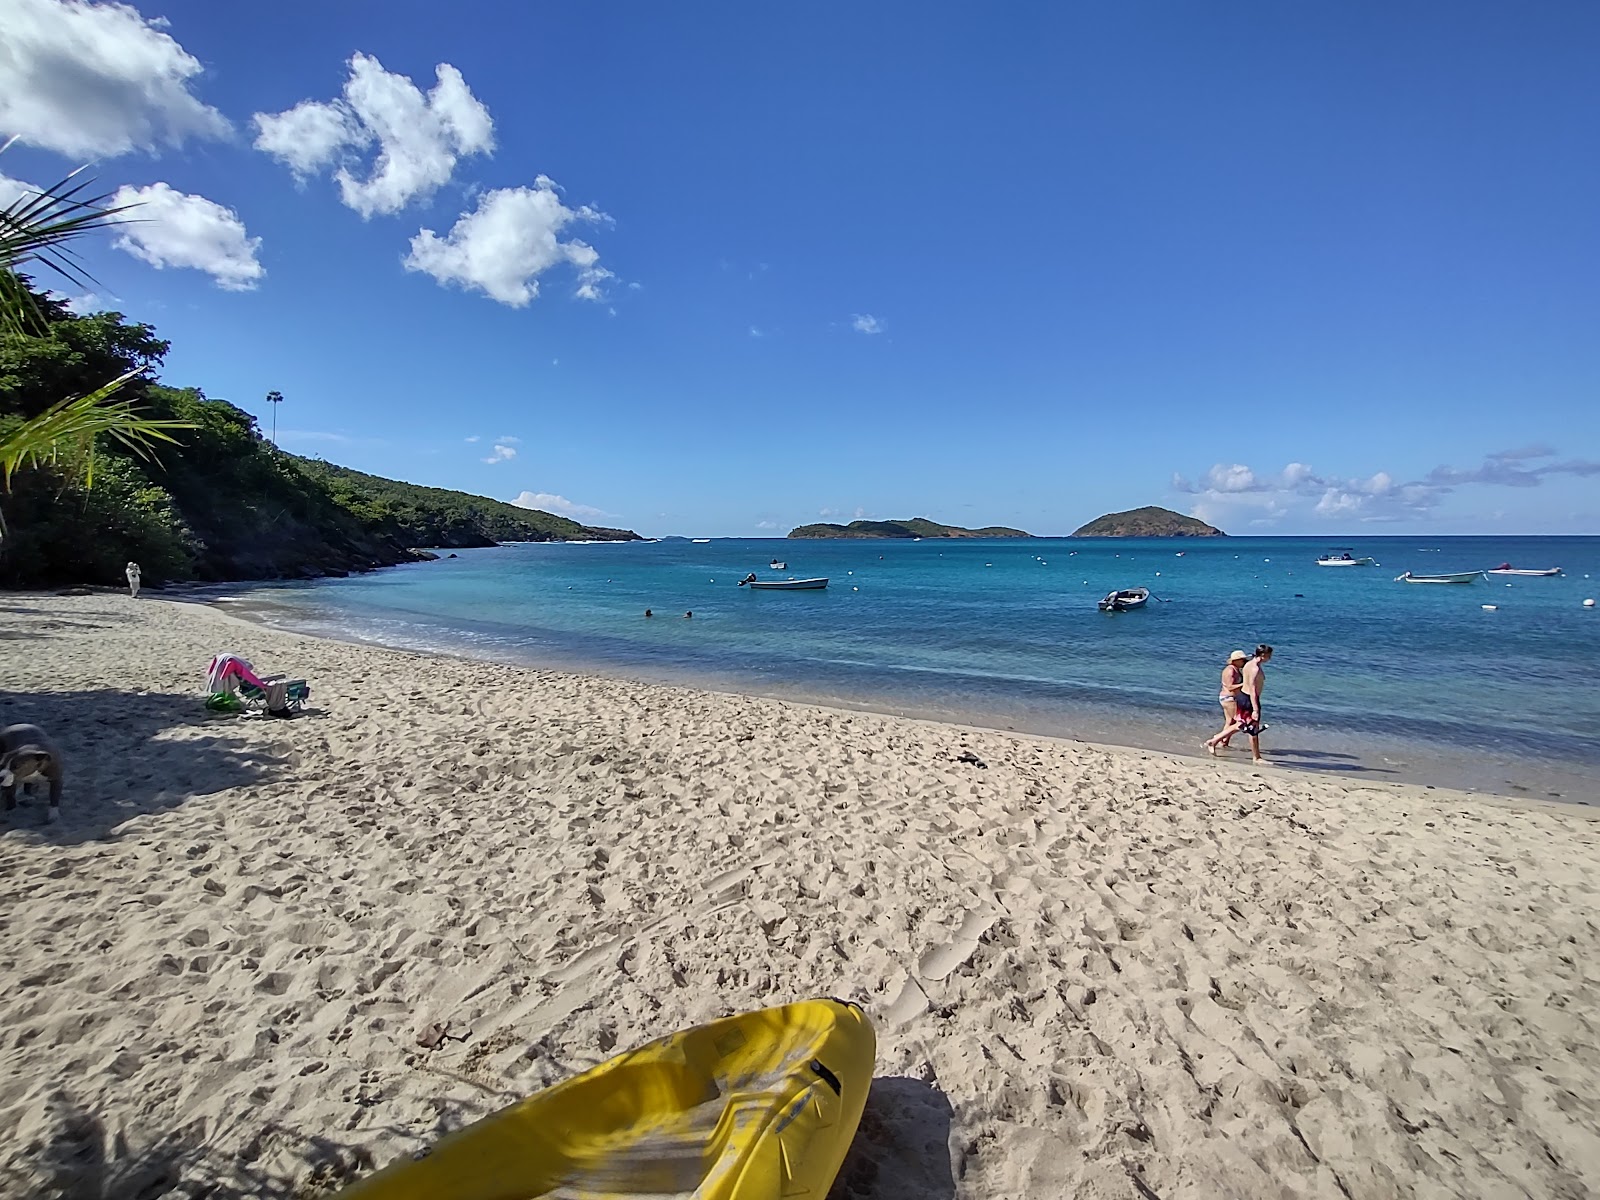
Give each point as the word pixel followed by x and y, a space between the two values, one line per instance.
pixel 1343 558
pixel 699 541
pixel 1452 577
pixel 1508 569
pixel 1125 600
pixel 775 565
pixel 783 585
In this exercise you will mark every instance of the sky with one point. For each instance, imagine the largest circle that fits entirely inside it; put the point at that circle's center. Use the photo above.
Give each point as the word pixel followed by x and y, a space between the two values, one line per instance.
pixel 719 269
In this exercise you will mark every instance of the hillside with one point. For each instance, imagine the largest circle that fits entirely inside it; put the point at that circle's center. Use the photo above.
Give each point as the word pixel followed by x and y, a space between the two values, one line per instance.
pixel 1149 521
pixel 430 516
pixel 914 528
pixel 224 503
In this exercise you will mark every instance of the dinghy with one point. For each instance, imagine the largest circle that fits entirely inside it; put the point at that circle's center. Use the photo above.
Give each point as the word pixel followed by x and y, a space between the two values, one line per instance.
pixel 764 1104
pixel 1455 577
pixel 1125 600
pixel 1508 569
pixel 775 565
pixel 783 585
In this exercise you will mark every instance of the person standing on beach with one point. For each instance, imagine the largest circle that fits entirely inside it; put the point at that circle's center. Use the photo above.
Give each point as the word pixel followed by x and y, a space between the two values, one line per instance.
pixel 1232 683
pixel 1249 701
pixel 132 573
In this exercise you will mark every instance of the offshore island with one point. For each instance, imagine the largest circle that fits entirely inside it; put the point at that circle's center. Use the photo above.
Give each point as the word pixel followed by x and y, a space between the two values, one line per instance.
pixel 916 527
pixel 1149 521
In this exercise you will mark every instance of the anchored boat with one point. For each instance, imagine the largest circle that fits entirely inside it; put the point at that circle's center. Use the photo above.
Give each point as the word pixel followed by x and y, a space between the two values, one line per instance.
pixel 1342 557
pixel 1453 577
pixel 783 585
pixel 1508 569
pixel 1125 600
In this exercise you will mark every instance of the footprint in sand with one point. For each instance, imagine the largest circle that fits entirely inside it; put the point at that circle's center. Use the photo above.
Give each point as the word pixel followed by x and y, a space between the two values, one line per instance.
pixel 941 960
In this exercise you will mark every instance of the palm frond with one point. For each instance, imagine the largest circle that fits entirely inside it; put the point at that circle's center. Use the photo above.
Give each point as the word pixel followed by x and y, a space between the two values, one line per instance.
pixel 73 425
pixel 39 227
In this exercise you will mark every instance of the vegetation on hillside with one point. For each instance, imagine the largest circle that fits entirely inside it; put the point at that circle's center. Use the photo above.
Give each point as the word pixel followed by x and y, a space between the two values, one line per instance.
pixel 914 528
pixel 222 503
pixel 1149 521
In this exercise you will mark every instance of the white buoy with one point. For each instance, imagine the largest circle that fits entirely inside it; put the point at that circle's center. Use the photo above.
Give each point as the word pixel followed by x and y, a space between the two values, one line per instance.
pixel 1158 574
pixel 855 589
pixel 1588 603
pixel 1489 607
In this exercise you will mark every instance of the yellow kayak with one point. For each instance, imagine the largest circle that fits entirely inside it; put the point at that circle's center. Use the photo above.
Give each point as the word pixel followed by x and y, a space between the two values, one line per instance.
pixel 764 1104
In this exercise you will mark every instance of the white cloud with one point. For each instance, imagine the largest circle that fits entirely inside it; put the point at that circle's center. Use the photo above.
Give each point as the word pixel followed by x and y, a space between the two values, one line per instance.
pixel 866 323
pixel 473 438
pixel 504 245
pixel 766 524
pixel 757 333
pixel 419 136
pixel 634 287
pixel 507 440
pixel 12 190
pixel 499 454
pixel 1234 492
pixel 89 80
pixel 169 228
pixel 550 502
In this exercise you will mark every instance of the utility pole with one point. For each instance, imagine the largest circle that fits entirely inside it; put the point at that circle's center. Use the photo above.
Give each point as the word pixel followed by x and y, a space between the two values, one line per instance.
pixel 274 399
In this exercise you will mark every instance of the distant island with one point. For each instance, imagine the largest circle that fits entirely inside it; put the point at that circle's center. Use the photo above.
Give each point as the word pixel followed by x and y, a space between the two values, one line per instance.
pixel 916 527
pixel 1149 521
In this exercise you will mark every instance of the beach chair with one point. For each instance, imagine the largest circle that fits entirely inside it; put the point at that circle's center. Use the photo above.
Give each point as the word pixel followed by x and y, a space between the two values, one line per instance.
pixel 234 686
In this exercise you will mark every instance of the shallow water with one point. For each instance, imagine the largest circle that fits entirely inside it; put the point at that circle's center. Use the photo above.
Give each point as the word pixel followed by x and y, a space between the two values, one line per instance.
pixel 1370 676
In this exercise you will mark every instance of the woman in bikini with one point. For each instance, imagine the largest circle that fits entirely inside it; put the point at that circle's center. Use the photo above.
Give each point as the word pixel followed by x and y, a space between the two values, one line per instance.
pixel 1232 686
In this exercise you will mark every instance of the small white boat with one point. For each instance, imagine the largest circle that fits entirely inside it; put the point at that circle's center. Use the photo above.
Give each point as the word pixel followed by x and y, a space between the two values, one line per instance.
pixel 775 565
pixel 1508 569
pixel 699 541
pixel 783 585
pixel 1125 600
pixel 1343 558
pixel 1453 577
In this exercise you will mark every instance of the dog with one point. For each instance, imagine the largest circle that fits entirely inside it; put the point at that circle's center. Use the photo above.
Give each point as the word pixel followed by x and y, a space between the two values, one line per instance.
pixel 27 754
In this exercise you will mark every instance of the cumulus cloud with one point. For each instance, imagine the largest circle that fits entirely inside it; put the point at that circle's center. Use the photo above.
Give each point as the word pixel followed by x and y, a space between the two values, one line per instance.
pixel 1234 491
pixel 169 228
pixel 96 80
pixel 499 453
pixel 418 137
pixel 866 323
pixel 550 502
pixel 503 246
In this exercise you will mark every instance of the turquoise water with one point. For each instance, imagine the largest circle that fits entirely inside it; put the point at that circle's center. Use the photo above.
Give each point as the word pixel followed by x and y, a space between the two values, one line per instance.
pixel 1369 673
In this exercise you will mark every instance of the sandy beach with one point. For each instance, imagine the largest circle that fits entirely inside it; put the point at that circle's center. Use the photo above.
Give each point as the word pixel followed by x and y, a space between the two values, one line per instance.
pixel 1094 972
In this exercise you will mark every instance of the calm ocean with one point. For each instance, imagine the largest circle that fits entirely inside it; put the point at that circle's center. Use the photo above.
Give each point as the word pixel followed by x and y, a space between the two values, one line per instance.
pixel 1370 677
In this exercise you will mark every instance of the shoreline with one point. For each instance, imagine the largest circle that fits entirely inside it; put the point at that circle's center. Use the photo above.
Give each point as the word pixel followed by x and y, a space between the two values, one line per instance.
pixel 1358 758
pixel 1088 967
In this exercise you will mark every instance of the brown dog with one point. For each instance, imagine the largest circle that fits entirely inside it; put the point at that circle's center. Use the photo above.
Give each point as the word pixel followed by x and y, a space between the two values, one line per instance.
pixel 27 754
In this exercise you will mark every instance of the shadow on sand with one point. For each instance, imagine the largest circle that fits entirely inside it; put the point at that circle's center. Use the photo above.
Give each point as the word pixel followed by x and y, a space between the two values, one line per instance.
pixel 101 732
pixel 902 1149
pixel 1325 760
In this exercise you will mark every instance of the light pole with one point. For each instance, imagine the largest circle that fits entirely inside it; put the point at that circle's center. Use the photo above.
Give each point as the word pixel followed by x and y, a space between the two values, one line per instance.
pixel 274 399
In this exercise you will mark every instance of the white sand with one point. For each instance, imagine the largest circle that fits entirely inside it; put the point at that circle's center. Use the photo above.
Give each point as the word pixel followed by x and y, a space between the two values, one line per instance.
pixel 1094 972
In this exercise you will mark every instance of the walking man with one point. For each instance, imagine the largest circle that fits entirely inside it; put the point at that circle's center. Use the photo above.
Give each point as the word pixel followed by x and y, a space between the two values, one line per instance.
pixel 1249 699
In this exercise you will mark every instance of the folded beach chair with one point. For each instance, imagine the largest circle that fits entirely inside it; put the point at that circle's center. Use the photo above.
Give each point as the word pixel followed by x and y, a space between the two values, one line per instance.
pixel 234 686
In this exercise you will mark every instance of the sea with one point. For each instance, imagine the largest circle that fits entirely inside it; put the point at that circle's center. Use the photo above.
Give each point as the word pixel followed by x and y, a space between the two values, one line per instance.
pixel 1492 686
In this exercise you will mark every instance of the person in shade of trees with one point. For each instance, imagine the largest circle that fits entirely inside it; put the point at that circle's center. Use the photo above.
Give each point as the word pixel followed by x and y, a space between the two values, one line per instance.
pixel 132 571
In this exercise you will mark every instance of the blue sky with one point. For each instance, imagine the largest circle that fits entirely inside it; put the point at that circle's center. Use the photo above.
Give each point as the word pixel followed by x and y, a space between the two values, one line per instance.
pixel 721 269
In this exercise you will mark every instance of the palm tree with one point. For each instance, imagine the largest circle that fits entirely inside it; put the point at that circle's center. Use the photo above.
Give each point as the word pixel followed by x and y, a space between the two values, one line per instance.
pixel 38 228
